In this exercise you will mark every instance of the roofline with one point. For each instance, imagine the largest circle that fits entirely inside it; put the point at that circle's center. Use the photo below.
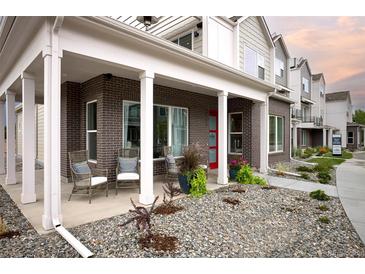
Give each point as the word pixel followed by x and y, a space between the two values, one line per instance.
pixel 176 49
pixel 280 37
pixel 266 27
pixel 322 76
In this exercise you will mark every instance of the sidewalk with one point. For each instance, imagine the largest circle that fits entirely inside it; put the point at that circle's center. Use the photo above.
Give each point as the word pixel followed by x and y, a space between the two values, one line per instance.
pixel 351 190
pixel 301 185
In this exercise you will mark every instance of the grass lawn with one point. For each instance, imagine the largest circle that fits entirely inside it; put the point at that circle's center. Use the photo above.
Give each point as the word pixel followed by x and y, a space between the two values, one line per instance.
pixel 345 155
pixel 330 162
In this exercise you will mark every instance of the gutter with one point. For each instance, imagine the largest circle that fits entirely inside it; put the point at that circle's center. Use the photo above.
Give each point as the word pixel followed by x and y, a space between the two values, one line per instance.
pixel 55 189
pixel 148 38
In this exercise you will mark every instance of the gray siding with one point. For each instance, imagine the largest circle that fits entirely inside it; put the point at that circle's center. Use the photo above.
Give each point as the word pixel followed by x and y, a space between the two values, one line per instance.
pixel 198 43
pixel 280 54
pixel 252 35
pixel 305 73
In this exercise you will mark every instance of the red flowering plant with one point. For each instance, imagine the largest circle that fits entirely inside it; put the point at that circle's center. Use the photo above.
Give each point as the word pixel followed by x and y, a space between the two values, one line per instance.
pixel 237 164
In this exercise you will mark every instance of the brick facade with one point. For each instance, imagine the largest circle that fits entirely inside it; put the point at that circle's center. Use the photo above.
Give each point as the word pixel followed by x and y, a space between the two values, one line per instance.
pixel 280 108
pixel 110 92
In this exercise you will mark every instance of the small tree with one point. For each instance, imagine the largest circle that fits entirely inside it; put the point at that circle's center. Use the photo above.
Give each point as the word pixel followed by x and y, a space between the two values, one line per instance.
pixel 171 191
pixel 359 116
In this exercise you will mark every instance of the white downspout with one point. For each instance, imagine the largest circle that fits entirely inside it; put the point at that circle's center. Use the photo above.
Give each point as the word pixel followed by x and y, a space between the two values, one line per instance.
pixel 55 188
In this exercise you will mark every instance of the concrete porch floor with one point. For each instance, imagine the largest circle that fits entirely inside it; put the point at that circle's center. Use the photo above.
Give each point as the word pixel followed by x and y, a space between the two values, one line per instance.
pixel 78 211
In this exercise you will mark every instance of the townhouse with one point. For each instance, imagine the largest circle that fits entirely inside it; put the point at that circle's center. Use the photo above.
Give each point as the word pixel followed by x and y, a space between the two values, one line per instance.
pixel 309 123
pixel 339 114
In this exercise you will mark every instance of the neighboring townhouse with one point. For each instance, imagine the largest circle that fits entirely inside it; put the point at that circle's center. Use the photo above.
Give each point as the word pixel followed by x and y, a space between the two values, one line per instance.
pixel 308 122
pixel 279 106
pixel 39 132
pixel 339 115
pixel 107 84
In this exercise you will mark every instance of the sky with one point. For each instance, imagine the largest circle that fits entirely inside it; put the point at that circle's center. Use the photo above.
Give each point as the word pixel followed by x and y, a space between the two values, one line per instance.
pixel 333 45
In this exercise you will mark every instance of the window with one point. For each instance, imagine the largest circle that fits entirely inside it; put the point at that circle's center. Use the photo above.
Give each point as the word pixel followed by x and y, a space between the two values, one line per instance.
pixel 254 63
pixel 304 138
pixel 350 137
pixel 170 128
pixel 279 68
pixel 305 84
pixel 235 133
pixel 276 133
pixel 321 90
pixel 185 41
pixel 91 129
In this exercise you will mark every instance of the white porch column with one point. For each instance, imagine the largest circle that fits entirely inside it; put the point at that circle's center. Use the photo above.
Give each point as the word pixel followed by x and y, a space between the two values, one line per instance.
pixel 2 137
pixel 222 138
pixel 264 136
pixel 146 196
pixel 46 217
pixel 324 139
pixel 28 139
pixel 295 137
pixel 10 138
pixel 330 138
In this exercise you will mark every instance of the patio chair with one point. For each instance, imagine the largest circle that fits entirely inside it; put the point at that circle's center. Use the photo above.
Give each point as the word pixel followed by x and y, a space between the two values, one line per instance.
pixel 127 169
pixel 85 178
pixel 172 168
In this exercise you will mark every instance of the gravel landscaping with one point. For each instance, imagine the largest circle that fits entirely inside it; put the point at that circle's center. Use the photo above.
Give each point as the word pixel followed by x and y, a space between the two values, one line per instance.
pixel 265 223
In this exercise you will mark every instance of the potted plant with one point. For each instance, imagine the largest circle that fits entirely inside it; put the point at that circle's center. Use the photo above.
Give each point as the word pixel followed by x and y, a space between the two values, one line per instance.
pixel 234 166
pixel 189 165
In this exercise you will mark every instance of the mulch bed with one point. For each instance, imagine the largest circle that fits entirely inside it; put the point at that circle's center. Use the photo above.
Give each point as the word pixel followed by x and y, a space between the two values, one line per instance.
pixel 231 201
pixel 167 209
pixel 239 190
pixel 9 234
pixel 159 242
pixel 268 187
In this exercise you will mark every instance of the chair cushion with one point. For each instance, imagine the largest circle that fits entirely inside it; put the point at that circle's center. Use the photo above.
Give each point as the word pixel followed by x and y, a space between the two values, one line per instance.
pixel 203 166
pixel 98 180
pixel 82 167
pixel 127 176
pixel 128 165
pixel 170 159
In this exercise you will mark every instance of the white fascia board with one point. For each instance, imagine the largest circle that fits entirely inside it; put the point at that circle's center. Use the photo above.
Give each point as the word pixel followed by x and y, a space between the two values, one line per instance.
pixel 14 62
pixel 282 98
pixel 143 51
pixel 305 100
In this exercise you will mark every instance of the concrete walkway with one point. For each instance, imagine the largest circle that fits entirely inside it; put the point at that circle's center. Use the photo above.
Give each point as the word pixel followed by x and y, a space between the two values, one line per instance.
pixel 301 185
pixel 351 190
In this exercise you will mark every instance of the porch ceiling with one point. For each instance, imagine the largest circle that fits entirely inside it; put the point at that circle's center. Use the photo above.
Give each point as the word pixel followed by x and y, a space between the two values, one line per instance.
pixel 78 68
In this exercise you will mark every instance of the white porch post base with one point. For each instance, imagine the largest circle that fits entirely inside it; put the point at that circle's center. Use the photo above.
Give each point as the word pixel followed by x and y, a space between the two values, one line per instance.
pixel 330 138
pixel 28 141
pixel 295 138
pixel 264 136
pixel 222 138
pixel 324 139
pixel 146 196
pixel 10 138
pixel 2 139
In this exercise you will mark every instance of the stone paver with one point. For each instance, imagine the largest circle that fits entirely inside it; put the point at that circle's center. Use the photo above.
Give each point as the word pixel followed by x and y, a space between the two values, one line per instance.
pixel 351 190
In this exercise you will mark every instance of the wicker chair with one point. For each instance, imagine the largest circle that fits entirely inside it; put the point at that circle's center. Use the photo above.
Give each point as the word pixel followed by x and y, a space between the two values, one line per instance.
pixel 85 178
pixel 172 168
pixel 133 177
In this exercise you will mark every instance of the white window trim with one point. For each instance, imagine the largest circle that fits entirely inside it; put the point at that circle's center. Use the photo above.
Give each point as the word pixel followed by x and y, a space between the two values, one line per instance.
pixel 90 131
pixel 351 143
pixel 178 36
pixel 169 130
pixel 229 133
pixel 276 134
pixel 303 78
pixel 279 67
pixel 257 63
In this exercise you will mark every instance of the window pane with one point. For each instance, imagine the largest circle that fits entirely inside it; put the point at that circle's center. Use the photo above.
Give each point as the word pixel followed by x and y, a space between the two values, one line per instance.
pixel 272 146
pixel 91 116
pixel 280 133
pixel 179 130
pixel 131 125
pixel 212 139
pixel 212 155
pixel 160 130
pixel 236 143
pixel 236 122
pixel 212 122
pixel 250 61
pixel 185 41
pixel 261 73
pixel 92 145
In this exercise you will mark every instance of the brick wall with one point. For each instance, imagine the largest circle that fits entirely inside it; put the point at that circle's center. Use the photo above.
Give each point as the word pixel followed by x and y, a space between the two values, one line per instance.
pixel 281 108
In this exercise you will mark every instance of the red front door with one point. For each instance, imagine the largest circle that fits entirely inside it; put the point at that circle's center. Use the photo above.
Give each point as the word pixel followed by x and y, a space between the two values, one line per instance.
pixel 213 139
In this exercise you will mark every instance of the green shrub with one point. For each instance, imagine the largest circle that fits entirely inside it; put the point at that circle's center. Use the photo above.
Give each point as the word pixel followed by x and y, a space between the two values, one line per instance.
pixel 308 152
pixel 245 175
pixel 326 162
pixel 304 169
pixel 304 175
pixel 198 183
pixel 319 195
pixel 298 152
pixel 345 154
pixel 323 208
pixel 324 219
pixel 324 177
